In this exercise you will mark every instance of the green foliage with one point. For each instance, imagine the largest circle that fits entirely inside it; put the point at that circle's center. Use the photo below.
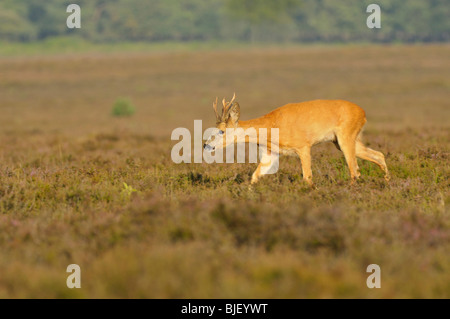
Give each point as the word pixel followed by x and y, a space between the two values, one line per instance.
pixel 14 26
pixel 127 191
pixel 262 11
pixel 123 107
pixel 219 20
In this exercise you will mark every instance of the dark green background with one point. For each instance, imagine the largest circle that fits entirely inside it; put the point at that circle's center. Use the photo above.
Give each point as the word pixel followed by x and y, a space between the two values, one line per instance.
pixel 227 20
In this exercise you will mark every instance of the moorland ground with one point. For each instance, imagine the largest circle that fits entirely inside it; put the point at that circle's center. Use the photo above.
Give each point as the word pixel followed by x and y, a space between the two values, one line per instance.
pixel 78 185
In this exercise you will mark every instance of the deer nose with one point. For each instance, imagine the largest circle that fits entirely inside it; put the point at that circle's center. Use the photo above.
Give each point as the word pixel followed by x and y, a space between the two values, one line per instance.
pixel 208 147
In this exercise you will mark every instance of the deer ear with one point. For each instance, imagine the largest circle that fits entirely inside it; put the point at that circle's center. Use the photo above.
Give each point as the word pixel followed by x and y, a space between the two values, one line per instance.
pixel 235 113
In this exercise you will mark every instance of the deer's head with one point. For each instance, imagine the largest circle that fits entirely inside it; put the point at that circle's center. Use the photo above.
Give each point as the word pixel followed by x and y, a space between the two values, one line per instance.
pixel 228 118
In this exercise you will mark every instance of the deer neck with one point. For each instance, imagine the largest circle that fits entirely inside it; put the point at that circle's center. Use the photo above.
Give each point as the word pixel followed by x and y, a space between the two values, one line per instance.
pixel 260 122
pixel 257 124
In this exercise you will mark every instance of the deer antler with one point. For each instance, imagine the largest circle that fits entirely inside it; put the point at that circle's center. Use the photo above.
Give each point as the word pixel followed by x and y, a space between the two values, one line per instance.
pixel 225 110
pixel 215 110
pixel 227 106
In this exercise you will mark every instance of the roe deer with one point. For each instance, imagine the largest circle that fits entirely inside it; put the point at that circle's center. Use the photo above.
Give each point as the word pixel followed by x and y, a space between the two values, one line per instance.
pixel 301 126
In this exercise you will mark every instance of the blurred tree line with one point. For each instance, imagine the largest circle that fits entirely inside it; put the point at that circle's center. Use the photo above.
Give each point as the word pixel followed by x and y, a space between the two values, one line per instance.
pixel 222 20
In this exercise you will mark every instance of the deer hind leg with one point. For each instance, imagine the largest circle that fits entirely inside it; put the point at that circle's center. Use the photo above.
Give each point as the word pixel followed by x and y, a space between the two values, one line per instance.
pixel 347 144
pixel 268 165
pixel 372 156
pixel 305 157
pixel 335 142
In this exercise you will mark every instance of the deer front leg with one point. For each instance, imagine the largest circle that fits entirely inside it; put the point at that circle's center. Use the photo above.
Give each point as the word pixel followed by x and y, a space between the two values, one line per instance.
pixel 305 157
pixel 267 165
pixel 256 174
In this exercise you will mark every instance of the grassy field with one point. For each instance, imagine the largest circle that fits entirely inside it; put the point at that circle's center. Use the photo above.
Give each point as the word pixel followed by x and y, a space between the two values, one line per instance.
pixel 196 230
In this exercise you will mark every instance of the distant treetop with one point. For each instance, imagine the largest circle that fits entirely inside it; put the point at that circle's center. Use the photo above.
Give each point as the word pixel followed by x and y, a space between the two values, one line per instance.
pixel 227 20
